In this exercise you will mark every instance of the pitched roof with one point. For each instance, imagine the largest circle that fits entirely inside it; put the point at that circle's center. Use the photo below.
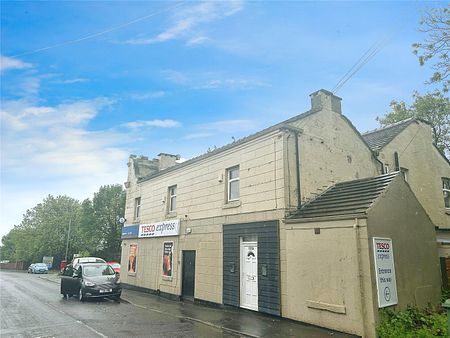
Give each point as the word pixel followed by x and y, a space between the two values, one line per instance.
pixel 378 138
pixel 284 124
pixel 278 126
pixel 346 198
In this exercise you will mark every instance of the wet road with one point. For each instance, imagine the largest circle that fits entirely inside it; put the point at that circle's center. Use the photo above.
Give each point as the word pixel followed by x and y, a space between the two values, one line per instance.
pixel 33 307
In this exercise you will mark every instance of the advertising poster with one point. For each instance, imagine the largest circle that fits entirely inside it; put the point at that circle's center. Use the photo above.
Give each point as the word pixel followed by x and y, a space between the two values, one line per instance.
pixel 385 272
pixel 167 259
pixel 132 259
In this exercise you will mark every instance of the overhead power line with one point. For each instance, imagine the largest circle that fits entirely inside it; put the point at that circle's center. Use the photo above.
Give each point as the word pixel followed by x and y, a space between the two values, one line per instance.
pixel 363 60
pixel 90 36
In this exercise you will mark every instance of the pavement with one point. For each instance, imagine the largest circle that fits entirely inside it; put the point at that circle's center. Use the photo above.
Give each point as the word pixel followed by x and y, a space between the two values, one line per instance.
pixel 236 321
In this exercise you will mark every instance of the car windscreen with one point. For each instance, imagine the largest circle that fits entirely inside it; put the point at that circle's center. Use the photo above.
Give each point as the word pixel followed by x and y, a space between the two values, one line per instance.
pixel 40 265
pixel 97 270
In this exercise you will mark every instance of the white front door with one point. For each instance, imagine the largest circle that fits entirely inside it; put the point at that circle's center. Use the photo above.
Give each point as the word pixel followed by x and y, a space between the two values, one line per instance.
pixel 249 275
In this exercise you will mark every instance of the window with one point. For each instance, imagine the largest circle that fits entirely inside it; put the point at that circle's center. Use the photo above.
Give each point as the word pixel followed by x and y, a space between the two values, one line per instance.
pixel 172 198
pixel 233 184
pixel 386 168
pixel 446 191
pixel 404 172
pixel 137 207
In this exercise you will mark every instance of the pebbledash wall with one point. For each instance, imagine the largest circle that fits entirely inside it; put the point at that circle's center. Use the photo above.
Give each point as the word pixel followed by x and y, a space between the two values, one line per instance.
pixel 278 167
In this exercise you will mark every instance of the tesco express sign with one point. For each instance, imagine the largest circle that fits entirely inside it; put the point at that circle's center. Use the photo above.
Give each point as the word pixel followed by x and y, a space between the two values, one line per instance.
pixel 160 229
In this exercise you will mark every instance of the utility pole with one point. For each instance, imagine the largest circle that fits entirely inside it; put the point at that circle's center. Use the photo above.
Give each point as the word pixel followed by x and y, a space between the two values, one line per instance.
pixel 68 236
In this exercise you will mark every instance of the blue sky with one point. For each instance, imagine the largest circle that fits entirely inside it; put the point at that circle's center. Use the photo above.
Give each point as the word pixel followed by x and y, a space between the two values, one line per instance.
pixel 179 77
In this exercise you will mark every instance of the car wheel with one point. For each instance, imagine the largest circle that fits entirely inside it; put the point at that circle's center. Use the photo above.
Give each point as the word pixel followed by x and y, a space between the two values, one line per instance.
pixel 81 296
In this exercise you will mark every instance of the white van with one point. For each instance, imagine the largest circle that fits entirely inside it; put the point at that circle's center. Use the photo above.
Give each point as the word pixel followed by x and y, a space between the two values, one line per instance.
pixel 79 260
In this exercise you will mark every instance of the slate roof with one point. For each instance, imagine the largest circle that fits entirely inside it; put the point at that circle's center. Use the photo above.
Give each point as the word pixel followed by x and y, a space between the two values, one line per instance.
pixel 378 138
pixel 346 198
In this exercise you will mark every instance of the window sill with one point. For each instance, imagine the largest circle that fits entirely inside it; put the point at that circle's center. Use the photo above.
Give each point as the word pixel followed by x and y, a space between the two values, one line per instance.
pixel 232 204
pixel 447 211
pixel 167 278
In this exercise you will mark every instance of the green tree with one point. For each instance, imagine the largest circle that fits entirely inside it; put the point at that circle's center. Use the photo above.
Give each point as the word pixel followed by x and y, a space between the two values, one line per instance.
pixel 431 107
pixel 44 230
pixel 8 249
pixel 99 222
pixel 436 23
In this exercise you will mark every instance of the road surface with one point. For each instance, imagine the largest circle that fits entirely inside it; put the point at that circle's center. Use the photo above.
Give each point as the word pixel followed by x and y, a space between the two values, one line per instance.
pixel 33 307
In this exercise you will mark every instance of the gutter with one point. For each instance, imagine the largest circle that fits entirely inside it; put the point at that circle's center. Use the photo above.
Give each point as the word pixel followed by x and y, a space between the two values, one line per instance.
pixel 297 132
pixel 375 154
pixel 356 226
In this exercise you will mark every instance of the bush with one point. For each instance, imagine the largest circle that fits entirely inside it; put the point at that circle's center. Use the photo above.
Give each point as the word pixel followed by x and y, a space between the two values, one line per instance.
pixel 412 323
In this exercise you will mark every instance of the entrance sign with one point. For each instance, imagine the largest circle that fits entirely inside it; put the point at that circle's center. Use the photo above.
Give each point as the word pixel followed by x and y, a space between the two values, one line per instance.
pixel 160 229
pixel 385 272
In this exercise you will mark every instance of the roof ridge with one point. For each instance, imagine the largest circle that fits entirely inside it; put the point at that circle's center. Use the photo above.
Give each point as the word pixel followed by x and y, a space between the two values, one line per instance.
pixel 409 119
pixel 240 141
pixel 392 173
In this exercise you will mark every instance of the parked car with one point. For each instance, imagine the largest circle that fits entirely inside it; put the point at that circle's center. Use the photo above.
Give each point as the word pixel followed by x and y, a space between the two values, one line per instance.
pixel 115 266
pixel 78 260
pixel 38 268
pixel 30 268
pixel 91 280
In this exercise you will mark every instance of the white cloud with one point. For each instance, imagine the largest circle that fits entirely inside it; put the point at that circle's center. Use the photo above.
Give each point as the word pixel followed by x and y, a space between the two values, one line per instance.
pixel 230 83
pixel 212 80
pixel 198 40
pixel 175 76
pixel 148 95
pixel 7 63
pixel 152 123
pixel 71 81
pixel 199 135
pixel 30 86
pixel 20 115
pixel 39 136
pixel 184 21
pixel 38 111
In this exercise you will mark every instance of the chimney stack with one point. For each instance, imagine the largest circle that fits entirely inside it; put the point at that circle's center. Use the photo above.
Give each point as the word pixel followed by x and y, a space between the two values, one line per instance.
pixel 167 160
pixel 323 99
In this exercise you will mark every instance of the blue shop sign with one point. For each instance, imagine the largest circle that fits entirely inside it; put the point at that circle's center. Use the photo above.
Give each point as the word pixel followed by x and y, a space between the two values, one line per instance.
pixel 130 231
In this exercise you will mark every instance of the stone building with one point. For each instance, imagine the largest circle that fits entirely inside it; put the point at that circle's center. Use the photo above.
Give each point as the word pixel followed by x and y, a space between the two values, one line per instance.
pixel 407 147
pixel 229 227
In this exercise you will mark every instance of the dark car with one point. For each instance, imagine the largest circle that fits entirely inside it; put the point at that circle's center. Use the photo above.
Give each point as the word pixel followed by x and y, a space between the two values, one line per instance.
pixel 90 280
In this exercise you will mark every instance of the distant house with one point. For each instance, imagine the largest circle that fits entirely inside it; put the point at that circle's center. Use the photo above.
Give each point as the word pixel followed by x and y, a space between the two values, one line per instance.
pixel 407 146
pixel 284 221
